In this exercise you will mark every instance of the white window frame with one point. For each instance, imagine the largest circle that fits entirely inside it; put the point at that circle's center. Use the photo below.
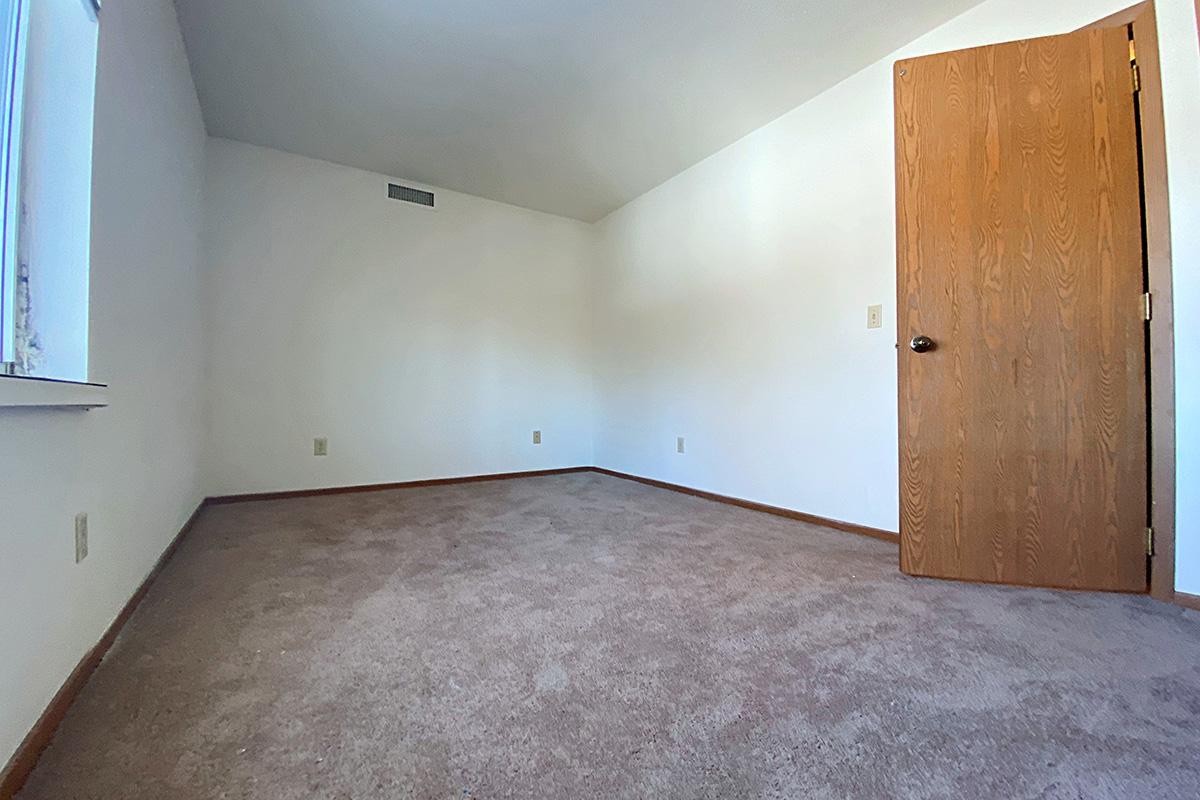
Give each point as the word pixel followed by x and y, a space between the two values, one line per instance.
pixel 14 31
pixel 24 391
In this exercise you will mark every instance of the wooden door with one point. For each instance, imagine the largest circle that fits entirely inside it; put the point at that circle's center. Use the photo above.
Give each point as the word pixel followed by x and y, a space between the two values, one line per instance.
pixel 1023 432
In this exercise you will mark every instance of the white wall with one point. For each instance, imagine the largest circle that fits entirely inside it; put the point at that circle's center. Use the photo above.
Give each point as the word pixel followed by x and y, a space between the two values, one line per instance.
pixel 1180 49
pixel 133 466
pixel 423 343
pixel 732 298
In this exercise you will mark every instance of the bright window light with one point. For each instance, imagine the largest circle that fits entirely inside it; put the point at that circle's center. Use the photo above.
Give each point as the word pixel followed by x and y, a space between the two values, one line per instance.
pixel 48 93
pixel 13 14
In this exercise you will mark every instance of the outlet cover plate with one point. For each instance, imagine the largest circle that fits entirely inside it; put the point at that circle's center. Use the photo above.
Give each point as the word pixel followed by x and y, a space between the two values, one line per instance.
pixel 81 537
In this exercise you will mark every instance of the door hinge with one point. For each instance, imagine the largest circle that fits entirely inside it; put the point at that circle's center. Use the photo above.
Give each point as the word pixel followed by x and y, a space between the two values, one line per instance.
pixel 1133 67
pixel 1147 309
pixel 1149 541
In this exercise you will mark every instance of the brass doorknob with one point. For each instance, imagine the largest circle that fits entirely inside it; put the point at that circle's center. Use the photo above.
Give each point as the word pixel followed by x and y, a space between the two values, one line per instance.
pixel 922 344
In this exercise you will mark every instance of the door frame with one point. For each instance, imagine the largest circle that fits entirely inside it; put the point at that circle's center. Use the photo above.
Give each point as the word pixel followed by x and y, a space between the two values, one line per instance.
pixel 1161 351
pixel 1161 345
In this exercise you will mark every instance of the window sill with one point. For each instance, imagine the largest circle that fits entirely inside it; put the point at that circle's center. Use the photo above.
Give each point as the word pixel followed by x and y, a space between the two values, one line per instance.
pixel 20 392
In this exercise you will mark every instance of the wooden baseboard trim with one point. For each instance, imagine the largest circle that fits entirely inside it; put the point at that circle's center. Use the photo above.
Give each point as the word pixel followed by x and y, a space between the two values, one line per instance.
pixel 381 487
pixel 813 519
pixel 18 768
pixel 849 527
pixel 1186 600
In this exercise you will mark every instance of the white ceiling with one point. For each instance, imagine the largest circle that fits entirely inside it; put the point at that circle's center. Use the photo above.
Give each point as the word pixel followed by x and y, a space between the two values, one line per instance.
pixel 569 106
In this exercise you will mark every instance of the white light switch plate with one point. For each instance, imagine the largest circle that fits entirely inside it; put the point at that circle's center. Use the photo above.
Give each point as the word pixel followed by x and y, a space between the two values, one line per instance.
pixel 875 316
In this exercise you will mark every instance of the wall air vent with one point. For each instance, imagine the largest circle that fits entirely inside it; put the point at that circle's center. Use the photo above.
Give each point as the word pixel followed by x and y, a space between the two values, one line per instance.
pixel 410 195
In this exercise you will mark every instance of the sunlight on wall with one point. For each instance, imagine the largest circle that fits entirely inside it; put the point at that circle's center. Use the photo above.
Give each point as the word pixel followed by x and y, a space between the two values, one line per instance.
pixel 1180 49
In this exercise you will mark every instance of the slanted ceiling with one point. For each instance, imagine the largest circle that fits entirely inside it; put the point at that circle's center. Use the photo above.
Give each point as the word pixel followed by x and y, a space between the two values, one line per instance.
pixel 574 107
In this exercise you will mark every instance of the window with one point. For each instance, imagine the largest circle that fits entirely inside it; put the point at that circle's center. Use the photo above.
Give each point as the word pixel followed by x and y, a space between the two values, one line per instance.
pixel 12 20
pixel 48 91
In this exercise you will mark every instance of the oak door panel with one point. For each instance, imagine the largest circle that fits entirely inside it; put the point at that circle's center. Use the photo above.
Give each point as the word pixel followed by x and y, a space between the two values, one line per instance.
pixel 1023 434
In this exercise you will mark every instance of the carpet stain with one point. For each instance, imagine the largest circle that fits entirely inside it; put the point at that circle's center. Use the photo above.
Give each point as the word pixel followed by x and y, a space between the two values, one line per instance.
pixel 551 678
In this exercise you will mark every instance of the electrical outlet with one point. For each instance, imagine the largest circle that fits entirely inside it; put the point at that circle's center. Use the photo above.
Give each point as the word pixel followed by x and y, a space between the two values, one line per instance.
pixel 81 537
pixel 537 437
pixel 874 316
pixel 321 446
pixel 679 444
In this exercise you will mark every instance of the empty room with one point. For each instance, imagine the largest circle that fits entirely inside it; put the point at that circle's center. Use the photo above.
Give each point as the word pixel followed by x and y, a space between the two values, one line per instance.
pixel 576 399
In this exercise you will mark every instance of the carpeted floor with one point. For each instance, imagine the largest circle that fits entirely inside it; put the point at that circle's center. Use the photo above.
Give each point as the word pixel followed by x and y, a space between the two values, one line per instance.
pixel 581 636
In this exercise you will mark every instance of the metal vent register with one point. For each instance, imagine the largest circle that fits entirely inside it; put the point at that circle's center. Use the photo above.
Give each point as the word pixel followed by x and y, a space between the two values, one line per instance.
pixel 410 195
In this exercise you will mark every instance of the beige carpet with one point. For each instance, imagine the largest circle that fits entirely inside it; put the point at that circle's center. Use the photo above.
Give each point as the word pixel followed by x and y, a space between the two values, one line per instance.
pixel 581 636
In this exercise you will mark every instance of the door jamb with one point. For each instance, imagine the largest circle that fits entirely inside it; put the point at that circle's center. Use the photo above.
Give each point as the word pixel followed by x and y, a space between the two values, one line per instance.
pixel 1162 325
